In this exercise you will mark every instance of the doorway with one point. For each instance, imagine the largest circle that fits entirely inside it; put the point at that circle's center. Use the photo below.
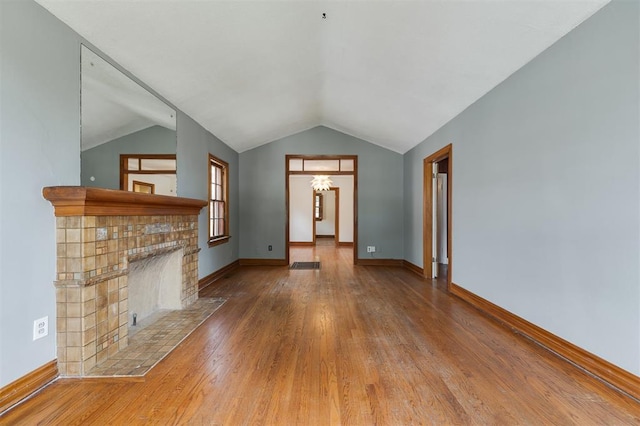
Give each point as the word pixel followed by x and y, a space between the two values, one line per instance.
pixel 300 171
pixel 437 215
pixel 327 216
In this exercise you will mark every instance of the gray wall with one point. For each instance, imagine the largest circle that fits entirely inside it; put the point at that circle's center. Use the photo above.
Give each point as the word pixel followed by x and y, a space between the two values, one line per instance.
pixel 262 193
pixel 546 189
pixel 194 146
pixel 40 146
pixel 103 161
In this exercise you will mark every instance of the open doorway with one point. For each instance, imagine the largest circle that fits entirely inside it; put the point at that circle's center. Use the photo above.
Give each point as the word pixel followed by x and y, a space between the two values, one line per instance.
pixel 437 215
pixel 301 171
pixel 327 216
pixel 441 219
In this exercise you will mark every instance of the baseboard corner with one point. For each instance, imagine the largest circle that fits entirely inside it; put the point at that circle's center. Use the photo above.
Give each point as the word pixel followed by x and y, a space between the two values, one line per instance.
pixel 216 275
pixel 413 268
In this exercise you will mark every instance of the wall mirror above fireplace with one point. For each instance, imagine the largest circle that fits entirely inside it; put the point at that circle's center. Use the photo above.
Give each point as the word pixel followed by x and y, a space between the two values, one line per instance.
pixel 121 118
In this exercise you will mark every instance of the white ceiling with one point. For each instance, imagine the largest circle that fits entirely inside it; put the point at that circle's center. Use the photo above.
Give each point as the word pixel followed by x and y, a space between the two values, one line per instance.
pixel 389 72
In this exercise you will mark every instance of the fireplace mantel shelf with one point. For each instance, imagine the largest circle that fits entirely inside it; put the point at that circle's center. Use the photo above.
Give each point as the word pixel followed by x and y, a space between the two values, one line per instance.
pixel 89 201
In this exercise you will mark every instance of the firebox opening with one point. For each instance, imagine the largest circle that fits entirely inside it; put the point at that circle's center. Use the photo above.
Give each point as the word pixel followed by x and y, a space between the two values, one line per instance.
pixel 155 284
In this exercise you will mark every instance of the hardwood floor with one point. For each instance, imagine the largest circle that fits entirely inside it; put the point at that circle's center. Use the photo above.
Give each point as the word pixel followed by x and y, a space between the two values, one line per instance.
pixel 342 345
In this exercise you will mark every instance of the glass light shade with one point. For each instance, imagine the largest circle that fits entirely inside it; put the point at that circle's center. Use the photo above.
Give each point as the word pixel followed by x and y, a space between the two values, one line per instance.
pixel 321 183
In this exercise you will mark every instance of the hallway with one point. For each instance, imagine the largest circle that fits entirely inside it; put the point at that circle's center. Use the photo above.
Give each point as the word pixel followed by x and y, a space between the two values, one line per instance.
pixel 341 345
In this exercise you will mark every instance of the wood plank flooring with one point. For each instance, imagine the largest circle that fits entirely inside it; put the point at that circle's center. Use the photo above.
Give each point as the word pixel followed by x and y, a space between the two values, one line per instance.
pixel 340 345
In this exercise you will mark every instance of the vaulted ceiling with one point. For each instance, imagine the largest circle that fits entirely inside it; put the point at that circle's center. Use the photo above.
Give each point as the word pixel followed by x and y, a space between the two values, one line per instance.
pixel 389 72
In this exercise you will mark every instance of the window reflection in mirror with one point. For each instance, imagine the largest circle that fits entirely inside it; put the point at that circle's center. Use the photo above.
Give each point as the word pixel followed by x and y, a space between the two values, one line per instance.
pixel 120 117
pixel 148 173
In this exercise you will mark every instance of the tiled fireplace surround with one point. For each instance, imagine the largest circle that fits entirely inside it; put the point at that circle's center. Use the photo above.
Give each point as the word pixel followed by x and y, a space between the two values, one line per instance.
pixel 99 232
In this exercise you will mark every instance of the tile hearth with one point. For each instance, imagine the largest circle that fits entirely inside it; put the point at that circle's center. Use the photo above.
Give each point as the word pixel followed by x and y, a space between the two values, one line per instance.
pixel 154 341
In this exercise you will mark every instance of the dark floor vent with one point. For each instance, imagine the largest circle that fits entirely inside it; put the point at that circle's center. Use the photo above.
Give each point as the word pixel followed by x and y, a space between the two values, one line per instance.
pixel 305 265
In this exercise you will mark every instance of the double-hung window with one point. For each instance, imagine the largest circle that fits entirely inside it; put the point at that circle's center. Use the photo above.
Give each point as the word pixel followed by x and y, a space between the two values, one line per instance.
pixel 218 201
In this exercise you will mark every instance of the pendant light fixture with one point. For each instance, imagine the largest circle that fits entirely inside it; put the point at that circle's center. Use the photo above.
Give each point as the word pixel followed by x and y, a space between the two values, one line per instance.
pixel 321 183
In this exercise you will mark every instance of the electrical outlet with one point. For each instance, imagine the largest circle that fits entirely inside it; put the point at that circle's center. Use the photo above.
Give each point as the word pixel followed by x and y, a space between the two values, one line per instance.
pixel 371 249
pixel 270 247
pixel 40 328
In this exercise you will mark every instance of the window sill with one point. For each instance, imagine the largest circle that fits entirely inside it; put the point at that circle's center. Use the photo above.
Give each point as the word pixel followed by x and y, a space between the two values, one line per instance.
pixel 219 240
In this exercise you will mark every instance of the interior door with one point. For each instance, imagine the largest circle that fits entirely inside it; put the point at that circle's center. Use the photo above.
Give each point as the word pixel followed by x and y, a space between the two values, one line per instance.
pixel 434 215
pixel 441 254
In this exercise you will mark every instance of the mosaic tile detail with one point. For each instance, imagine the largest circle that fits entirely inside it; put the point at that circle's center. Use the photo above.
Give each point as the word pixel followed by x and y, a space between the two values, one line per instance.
pixel 101 234
pixel 157 228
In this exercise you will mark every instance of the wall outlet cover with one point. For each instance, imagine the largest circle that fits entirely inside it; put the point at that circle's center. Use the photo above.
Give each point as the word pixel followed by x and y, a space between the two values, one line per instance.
pixel 40 328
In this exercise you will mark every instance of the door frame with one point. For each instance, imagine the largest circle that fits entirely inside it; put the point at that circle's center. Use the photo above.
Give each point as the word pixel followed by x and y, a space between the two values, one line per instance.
pixel 353 173
pixel 427 211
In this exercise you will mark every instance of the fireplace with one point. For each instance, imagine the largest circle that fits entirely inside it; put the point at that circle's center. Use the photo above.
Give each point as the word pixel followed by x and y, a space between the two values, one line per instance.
pixel 109 246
